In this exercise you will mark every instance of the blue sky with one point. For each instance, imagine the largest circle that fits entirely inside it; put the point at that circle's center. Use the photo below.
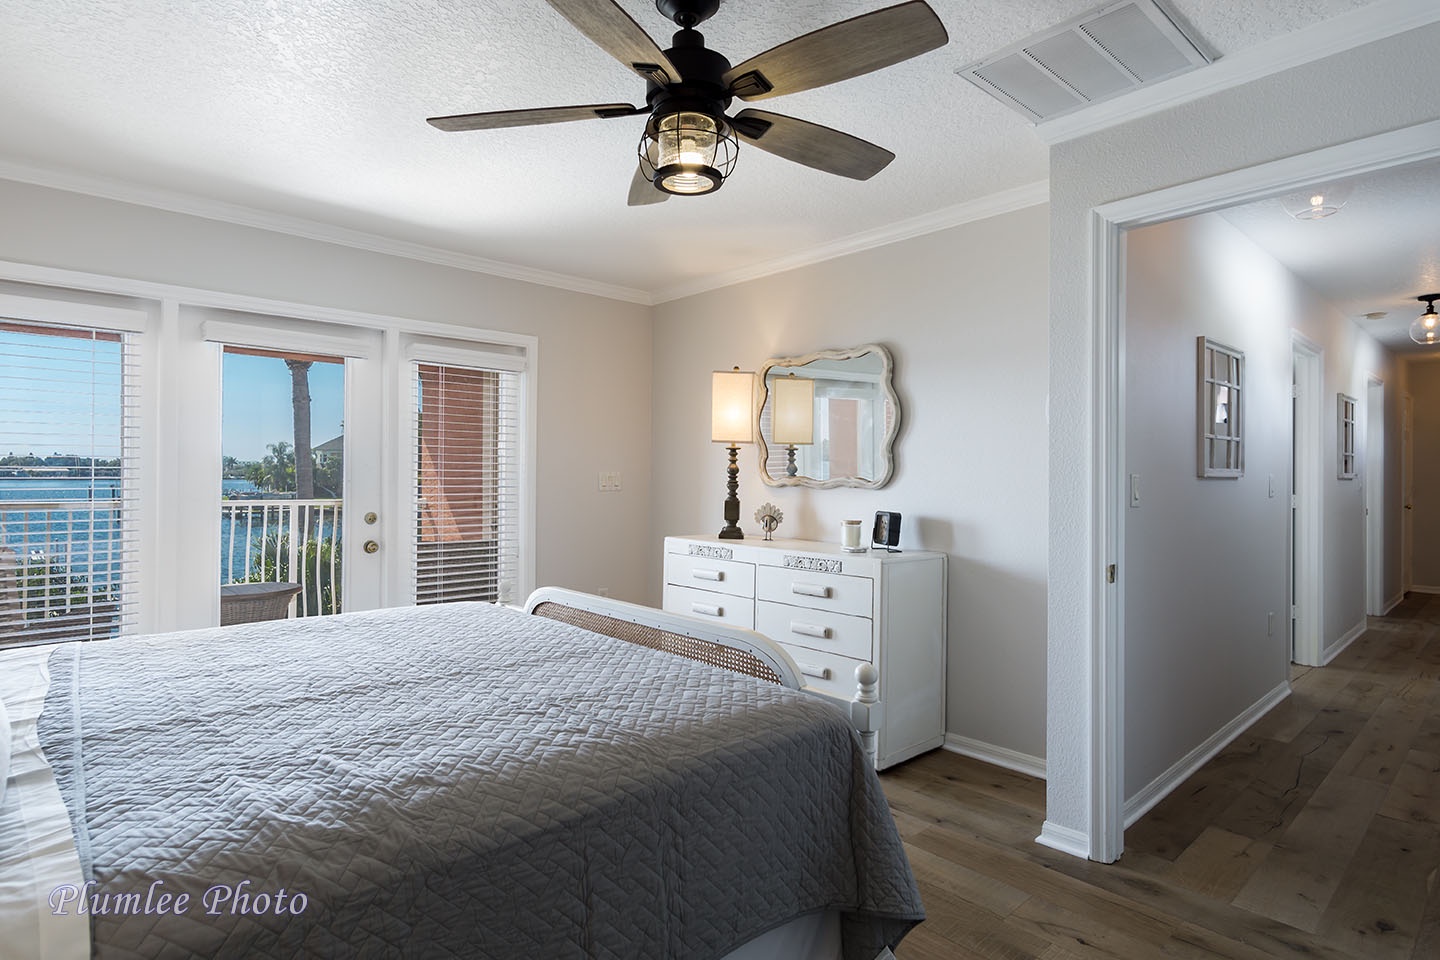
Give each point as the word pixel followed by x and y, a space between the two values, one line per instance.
pixel 61 395
pixel 53 389
pixel 256 407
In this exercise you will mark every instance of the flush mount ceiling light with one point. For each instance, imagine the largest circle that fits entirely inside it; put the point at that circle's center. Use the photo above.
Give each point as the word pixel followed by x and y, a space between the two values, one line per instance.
pixel 1318 202
pixel 690 143
pixel 1426 328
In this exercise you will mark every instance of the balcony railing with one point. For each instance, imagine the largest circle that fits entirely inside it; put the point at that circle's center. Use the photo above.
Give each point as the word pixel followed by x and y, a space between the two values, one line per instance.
pixel 284 541
pixel 61 573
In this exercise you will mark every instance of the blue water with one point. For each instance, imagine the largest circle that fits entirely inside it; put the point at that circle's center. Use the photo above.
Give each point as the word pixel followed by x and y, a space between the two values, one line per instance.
pixel 86 535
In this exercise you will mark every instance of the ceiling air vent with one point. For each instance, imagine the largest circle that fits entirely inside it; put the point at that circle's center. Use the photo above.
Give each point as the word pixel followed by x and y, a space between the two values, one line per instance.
pixel 1098 55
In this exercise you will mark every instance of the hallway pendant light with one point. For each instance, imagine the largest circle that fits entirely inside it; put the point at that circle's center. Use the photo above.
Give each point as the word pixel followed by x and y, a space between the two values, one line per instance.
pixel 1317 202
pixel 1426 328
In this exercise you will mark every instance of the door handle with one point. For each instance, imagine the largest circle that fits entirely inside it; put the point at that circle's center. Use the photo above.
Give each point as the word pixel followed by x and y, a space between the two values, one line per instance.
pixel 371 546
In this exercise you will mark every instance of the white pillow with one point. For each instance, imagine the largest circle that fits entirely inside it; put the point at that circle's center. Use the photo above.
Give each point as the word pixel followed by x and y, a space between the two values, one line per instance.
pixel 5 736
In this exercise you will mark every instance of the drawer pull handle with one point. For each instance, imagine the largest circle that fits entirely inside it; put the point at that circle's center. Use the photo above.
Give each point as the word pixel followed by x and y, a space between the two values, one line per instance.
pixel 707 610
pixel 810 670
pixel 810 630
pixel 716 575
pixel 810 590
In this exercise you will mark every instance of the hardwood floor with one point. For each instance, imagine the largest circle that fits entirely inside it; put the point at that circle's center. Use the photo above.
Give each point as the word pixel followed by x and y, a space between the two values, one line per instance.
pixel 1315 834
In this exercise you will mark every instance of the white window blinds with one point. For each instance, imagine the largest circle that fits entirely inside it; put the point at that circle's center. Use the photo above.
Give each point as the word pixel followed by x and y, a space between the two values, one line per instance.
pixel 468 478
pixel 69 445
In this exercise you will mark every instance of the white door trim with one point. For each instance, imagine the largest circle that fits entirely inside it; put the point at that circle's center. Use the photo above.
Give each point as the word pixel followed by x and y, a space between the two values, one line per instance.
pixel 1374 473
pixel 1308 546
pixel 1106 759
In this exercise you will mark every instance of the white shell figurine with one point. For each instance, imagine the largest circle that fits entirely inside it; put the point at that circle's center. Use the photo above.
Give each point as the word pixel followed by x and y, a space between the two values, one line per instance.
pixel 768 516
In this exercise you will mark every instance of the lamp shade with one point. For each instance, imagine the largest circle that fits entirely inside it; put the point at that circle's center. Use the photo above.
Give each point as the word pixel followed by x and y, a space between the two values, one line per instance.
pixel 732 406
pixel 793 419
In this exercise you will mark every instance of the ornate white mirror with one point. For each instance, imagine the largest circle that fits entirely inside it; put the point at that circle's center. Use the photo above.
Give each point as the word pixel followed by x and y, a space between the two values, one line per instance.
pixel 828 419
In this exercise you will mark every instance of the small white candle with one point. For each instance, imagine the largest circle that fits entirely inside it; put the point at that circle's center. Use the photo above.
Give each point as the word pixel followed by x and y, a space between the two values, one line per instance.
pixel 850 534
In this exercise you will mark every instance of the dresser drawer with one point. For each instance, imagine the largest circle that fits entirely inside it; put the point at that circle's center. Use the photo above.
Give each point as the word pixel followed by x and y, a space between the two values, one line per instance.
pixel 720 576
pixel 707 605
pixel 825 671
pixel 815 629
pixel 819 591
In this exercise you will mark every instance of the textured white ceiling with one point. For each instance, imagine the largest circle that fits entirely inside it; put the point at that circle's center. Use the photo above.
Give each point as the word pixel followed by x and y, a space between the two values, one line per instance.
pixel 1376 255
pixel 316 110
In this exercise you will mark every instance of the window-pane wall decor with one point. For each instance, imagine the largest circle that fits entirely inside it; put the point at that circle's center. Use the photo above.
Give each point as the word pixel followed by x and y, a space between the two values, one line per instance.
pixel 1345 439
pixel 1220 409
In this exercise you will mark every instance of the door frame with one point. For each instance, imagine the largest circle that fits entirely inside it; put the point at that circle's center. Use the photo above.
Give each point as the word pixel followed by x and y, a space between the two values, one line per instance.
pixel 1109 222
pixel 1376 603
pixel 1307 542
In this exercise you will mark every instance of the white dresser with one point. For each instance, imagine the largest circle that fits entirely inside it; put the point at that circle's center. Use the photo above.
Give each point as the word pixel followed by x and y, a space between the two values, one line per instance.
pixel 831 611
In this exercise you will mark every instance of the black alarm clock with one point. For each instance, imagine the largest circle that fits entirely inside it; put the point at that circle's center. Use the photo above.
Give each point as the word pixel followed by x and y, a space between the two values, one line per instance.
pixel 887 530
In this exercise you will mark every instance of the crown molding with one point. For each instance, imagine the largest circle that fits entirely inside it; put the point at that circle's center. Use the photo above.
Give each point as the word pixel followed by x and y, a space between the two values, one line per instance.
pixel 1384 18
pixel 993 205
pixel 177 202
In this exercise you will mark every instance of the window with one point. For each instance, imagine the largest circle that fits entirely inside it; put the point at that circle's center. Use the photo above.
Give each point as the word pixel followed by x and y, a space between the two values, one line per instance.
pixel 468 501
pixel 1219 433
pixel 1346 437
pixel 68 490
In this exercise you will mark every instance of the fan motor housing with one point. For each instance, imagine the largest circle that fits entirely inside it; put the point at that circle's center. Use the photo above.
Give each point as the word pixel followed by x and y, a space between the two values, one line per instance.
pixel 687 13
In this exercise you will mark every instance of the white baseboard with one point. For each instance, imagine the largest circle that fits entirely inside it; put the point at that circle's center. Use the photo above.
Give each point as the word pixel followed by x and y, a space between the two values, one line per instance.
pixel 1393 602
pixel 1427 590
pixel 1338 647
pixel 1157 789
pixel 1064 839
pixel 999 756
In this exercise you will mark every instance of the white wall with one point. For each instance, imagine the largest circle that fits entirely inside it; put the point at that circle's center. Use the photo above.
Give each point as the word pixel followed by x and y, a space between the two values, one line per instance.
pixel 1206 560
pixel 1378 87
pixel 594 353
pixel 963 311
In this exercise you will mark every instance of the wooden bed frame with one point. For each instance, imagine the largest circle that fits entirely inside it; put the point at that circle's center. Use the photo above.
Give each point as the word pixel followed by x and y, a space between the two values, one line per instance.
pixel 733 648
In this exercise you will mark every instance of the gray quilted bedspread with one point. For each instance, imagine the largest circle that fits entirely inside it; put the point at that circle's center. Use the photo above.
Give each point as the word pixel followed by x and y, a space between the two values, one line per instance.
pixel 457 781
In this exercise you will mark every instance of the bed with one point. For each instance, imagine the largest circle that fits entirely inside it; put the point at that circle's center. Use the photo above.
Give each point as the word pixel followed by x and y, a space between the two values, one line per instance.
pixel 462 780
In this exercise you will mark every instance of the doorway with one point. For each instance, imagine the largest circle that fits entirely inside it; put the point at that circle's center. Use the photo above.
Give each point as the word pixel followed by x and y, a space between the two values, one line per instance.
pixel 282 444
pixel 1306 527
pixel 1104 754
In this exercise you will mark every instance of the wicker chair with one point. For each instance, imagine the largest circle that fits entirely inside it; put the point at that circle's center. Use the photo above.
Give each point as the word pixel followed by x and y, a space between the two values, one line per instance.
pixel 253 602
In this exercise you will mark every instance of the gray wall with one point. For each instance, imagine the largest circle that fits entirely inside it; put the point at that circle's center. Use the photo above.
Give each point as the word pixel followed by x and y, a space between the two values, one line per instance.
pixel 594 353
pixel 1375 88
pixel 963 312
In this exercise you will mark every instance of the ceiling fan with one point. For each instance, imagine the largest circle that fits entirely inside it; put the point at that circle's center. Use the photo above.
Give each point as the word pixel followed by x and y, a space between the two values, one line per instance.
pixel 690 145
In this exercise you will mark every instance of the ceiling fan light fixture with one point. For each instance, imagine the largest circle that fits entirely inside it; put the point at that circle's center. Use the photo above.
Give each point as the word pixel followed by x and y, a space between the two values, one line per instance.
pixel 1425 330
pixel 688 152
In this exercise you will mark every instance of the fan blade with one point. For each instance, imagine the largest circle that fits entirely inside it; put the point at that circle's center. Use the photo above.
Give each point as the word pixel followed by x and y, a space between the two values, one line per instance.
pixel 643 192
pixel 611 29
pixel 811 144
pixel 840 51
pixel 525 118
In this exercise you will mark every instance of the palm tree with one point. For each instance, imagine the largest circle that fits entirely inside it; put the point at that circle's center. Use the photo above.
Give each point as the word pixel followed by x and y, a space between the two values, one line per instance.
pixel 300 406
pixel 277 471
